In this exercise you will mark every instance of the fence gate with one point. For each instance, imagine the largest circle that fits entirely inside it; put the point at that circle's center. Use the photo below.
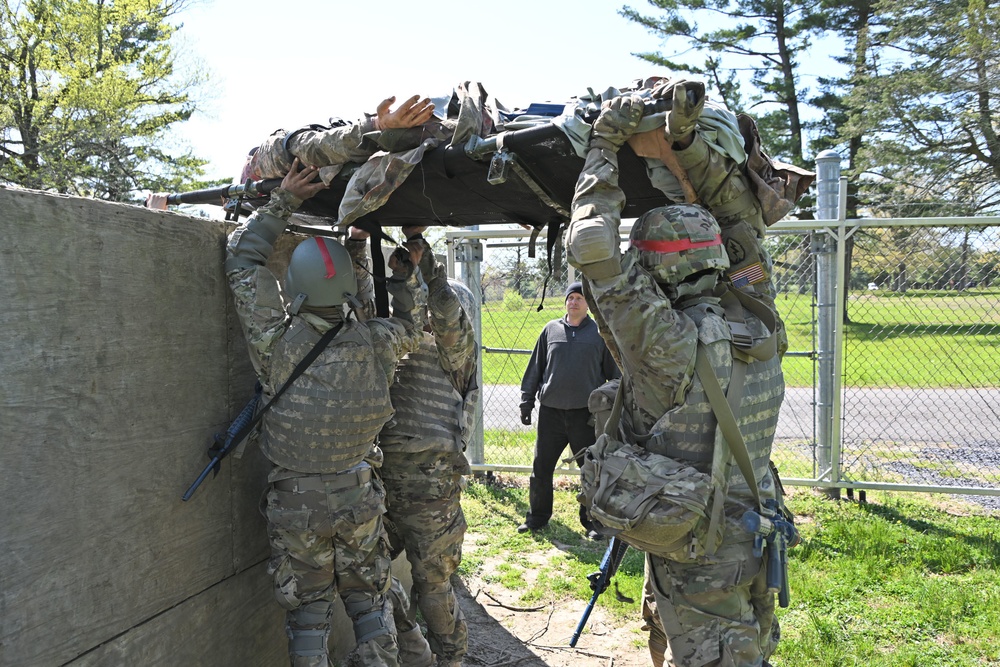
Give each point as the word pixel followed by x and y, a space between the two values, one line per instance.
pixel 892 372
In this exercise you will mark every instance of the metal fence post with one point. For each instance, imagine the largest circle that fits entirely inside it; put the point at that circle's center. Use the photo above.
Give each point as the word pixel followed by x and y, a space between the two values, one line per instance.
pixel 470 253
pixel 824 248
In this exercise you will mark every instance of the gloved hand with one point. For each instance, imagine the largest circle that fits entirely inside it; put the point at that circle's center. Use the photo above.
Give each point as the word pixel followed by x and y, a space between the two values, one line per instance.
pixel 405 259
pixel 687 99
pixel 617 122
pixel 526 415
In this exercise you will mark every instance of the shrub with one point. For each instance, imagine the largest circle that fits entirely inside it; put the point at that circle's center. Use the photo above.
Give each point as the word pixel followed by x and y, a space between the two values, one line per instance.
pixel 512 300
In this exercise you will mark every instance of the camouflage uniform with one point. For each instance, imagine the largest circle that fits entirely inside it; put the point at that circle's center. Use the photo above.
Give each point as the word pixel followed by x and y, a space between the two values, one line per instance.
pixel 713 609
pixel 434 395
pixel 324 505
pixel 725 191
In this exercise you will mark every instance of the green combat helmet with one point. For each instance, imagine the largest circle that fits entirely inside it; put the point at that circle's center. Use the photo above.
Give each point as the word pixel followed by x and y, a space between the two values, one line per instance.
pixel 319 274
pixel 681 246
pixel 468 301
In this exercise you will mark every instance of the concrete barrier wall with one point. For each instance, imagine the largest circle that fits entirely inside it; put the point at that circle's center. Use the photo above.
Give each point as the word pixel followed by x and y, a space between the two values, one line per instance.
pixel 120 357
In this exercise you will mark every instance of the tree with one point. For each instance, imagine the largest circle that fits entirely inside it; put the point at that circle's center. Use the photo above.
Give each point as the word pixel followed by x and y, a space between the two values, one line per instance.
pixel 931 101
pixel 765 36
pixel 88 93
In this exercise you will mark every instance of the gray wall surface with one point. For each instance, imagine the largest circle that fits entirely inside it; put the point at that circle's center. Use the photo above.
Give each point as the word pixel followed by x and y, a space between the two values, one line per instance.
pixel 120 357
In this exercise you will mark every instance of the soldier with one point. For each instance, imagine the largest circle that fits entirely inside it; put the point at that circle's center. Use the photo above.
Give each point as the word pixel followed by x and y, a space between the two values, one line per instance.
pixel 656 305
pixel 434 395
pixel 330 148
pixel 324 505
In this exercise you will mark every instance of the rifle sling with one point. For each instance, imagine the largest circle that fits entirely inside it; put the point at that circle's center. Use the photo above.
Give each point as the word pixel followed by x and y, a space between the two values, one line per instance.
pixel 726 406
pixel 296 372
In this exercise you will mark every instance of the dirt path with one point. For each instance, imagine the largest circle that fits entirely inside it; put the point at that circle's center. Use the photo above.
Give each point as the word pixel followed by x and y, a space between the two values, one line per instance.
pixel 504 633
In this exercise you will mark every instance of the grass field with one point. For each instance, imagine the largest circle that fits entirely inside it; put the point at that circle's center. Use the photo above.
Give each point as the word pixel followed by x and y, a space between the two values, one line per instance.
pixel 920 339
pixel 901 581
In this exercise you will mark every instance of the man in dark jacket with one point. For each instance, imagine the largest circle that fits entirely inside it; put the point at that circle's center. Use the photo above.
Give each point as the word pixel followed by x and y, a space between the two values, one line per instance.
pixel 570 360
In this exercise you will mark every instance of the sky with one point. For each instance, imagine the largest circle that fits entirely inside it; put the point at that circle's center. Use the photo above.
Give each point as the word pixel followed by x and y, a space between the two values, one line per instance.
pixel 291 63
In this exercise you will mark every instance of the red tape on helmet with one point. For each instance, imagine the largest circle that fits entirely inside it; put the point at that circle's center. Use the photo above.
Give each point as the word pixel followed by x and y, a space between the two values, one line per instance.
pixel 675 246
pixel 324 252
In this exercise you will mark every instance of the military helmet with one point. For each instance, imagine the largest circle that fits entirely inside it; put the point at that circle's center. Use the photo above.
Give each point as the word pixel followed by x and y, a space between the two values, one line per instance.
pixel 470 304
pixel 320 274
pixel 677 242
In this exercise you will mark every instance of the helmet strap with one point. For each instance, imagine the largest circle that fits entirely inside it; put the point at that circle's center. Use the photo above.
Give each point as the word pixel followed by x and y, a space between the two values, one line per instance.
pixel 297 303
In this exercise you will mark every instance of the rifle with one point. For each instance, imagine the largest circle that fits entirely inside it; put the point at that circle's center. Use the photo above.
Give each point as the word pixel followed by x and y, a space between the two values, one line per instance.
pixel 600 580
pixel 779 533
pixel 248 190
pixel 226 442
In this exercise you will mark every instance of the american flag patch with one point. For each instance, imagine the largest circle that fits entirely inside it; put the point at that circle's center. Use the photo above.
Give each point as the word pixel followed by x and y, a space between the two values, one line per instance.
pixel 749 275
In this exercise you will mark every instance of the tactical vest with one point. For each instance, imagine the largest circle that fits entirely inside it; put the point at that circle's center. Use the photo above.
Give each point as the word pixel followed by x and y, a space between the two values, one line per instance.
pixel 327 420
pixel 430 412
pixel 687 432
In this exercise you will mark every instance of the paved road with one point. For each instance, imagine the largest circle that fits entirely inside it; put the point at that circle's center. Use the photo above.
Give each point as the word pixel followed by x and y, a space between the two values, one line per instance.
pixel 946 416
pixel 934 437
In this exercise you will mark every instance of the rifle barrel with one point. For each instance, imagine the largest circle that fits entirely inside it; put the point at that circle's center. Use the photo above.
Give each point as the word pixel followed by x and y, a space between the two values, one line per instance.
pixel 583 619
pixel 218 195
pixel 609 566
pixel 201 478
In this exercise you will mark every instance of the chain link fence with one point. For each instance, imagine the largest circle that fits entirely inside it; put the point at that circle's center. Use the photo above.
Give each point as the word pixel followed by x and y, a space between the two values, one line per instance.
pixel 909 396
pixel 921 376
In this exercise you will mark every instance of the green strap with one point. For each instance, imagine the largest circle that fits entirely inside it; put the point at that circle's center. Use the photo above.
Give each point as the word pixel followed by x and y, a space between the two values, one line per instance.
pixel 725 408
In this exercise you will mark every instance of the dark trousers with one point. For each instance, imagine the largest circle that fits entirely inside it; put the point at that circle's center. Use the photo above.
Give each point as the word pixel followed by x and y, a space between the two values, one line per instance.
pixel 556 429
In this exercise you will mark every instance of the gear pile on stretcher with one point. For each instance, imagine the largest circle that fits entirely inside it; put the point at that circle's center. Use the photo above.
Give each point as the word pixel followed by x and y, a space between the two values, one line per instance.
pixel 477 163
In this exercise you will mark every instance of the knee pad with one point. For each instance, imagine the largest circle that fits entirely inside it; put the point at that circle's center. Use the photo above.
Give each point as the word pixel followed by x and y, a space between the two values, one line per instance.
pixel 312 614
pixel 308 629
pixel 371 617
pixel 438 606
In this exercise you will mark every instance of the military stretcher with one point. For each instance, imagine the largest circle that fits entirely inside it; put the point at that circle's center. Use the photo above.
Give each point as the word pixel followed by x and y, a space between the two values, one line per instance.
pixel 524 176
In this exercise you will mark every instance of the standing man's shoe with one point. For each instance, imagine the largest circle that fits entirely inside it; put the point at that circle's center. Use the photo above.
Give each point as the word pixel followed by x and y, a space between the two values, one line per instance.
pixel 524 527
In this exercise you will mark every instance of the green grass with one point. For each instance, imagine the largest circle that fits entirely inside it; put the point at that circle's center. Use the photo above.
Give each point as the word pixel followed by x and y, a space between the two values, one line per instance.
pixel 903 580
pixel 795 459
pixel 920 339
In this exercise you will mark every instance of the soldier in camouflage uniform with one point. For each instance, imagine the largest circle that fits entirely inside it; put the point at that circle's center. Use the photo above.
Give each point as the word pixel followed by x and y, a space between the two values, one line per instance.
pixel 324 505
pixel 330 148
pixel 656 305
pixel 434 395
pixel 724 187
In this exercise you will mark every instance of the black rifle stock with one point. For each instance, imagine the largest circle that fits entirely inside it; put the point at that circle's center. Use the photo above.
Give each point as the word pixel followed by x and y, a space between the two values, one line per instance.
pixel 229 440
pixel 600 580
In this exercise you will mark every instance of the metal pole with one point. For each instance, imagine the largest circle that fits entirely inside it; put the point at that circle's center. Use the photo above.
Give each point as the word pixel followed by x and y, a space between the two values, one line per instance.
pixel 824 249
pixel 471 275
pixel 842 284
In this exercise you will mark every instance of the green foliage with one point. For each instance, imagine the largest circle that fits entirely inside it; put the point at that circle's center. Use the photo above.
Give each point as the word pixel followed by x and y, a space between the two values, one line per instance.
pixel 914 111
pixel 512 301
pixel 87 94
pixel 930 97
pixel 767 37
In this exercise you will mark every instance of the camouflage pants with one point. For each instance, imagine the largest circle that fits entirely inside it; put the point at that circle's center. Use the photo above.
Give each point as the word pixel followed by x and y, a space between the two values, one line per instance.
pixel 327 538
pixel 715 612
pixel 424 517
